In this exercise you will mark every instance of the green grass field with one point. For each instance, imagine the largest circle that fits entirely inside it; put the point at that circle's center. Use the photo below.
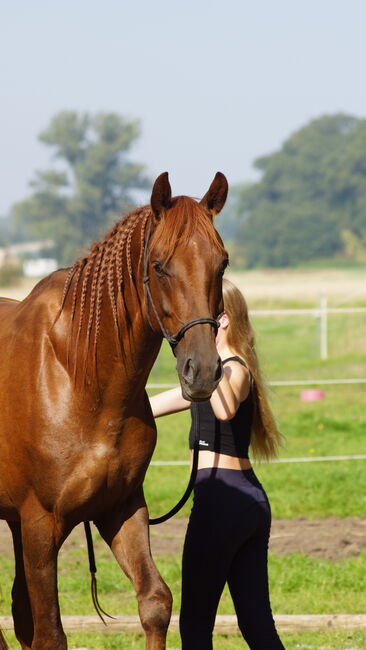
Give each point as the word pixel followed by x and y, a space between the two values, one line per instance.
pixel 329 640
pixel 289 349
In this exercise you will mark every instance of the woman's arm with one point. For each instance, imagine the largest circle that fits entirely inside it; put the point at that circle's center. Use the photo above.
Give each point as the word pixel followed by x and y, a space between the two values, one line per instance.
pixel 232 390
pixel 170 401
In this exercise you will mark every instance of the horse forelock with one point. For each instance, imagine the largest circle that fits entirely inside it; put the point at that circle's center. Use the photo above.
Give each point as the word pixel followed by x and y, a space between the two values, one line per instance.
pixel 181 222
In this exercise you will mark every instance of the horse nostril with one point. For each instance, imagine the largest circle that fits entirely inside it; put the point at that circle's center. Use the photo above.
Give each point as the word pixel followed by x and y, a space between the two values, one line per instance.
pixel 218 373
pixel 188 371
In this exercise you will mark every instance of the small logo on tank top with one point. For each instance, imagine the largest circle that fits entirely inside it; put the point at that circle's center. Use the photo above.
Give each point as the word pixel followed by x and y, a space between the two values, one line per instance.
pixel 203 443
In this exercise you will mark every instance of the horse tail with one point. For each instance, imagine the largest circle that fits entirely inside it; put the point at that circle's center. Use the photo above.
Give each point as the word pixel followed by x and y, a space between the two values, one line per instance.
pixel 3 645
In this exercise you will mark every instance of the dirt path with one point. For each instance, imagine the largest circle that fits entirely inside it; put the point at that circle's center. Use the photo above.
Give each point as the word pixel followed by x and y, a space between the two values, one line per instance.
pixel 330 538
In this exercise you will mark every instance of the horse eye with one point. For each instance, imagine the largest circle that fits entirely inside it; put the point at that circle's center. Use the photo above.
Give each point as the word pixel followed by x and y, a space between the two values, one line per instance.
pixel 223 267
pixel 158 268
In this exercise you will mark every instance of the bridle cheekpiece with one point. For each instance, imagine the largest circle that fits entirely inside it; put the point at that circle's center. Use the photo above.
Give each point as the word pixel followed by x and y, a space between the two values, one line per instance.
pixel 173 339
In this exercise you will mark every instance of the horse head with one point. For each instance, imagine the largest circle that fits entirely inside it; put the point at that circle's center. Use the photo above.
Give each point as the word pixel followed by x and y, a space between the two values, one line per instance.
pixel 184 263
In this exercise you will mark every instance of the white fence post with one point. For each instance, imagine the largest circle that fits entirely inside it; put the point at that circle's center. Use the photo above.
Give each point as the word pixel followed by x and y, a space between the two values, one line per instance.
pixel 323 318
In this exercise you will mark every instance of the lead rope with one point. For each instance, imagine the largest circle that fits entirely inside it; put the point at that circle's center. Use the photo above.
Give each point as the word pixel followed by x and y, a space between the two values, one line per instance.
pixel 152 522
pixel 192 478
pixel 173 340
pixel 93 569
pixel 186 495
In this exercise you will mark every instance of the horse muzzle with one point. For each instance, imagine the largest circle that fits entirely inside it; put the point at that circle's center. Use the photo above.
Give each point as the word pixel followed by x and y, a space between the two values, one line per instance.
pixel 199 380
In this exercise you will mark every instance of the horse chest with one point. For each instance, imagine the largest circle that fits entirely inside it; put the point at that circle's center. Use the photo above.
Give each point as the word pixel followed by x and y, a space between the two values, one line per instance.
pixel 102 476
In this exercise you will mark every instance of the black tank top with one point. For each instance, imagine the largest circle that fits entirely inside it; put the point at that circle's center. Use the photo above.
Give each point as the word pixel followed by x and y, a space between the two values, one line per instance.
pixel 231 437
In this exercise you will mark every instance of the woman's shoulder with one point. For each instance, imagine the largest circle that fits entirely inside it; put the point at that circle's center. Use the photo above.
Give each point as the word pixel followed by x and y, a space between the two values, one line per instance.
pixel 239 375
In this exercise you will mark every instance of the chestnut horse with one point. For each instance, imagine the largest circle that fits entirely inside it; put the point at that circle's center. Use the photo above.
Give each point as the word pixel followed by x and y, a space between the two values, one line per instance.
pixel 77 432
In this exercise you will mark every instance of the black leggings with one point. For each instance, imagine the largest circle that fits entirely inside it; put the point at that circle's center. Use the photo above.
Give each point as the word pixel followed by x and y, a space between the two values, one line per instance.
pixel 227 541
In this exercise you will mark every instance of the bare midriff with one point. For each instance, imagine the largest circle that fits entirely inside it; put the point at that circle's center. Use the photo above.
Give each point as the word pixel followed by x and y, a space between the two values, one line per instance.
pixel 214 459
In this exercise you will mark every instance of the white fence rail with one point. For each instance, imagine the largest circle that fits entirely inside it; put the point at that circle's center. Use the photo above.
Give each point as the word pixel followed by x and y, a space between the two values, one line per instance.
pixel 320 312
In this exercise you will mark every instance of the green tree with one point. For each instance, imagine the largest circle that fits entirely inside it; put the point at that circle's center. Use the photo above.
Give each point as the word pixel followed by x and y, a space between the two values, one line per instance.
pixel 311 191
pixel 76 205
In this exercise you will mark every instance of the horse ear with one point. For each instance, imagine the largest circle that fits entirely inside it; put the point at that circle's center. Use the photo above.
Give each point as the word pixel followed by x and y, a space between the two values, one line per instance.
pixel 161 195
pixel 214 199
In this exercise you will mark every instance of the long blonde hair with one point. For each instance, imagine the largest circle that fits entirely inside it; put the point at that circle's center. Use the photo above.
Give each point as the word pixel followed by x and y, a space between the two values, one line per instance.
pixel 265 438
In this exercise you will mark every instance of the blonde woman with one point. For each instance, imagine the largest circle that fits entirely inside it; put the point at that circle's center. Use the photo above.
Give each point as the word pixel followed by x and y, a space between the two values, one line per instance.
pixel 229 526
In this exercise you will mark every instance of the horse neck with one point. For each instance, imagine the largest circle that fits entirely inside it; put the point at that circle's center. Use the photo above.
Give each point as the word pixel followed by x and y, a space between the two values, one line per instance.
pixel 130 347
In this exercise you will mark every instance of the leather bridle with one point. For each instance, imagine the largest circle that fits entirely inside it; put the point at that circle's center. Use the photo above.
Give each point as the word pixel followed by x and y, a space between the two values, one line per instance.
pixel 173 339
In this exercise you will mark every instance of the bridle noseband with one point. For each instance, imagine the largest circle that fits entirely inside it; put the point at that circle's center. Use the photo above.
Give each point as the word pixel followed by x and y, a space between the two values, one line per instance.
pixel 173 339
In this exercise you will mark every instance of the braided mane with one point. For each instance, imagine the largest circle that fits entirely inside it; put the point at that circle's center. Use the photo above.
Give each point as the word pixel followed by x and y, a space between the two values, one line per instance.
pixel 104 268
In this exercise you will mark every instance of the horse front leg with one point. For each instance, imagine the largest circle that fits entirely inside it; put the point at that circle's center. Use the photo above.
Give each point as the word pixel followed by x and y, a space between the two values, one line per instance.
pixel 128 537
pixel 40 548
pixel 21 609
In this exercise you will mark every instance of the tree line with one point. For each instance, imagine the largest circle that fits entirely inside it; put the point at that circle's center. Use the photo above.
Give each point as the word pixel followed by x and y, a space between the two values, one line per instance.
pixel 308 205
pixel 310 202
pixel 95 183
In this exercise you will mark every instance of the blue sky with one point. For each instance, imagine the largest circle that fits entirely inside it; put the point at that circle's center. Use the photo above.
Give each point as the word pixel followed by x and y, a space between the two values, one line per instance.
pixel 214 84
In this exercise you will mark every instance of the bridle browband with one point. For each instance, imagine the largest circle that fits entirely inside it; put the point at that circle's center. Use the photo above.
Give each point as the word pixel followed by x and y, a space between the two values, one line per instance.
pixel 173 339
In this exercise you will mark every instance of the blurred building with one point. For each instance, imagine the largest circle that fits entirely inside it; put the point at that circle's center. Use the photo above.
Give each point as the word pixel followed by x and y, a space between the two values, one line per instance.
pixel 30 255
